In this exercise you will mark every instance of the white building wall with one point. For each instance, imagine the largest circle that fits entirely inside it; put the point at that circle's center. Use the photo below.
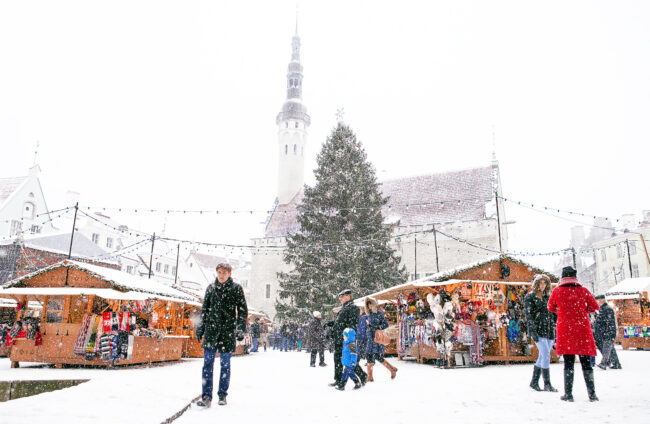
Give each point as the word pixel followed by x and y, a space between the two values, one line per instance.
pixel 291 146
pixel 612 264
pixel 21 208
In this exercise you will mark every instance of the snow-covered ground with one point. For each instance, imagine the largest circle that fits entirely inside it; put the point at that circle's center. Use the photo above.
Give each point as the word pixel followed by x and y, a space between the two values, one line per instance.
pixel 276 387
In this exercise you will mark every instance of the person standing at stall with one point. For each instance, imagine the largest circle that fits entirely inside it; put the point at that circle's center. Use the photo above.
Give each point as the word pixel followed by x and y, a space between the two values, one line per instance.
pixel 255 334
pixel 375 351
pixel 223 319
pixel 348 317
pixel 316 340
pixel 573 303
pixel 605 335
pixel 362 337
pixel 541 327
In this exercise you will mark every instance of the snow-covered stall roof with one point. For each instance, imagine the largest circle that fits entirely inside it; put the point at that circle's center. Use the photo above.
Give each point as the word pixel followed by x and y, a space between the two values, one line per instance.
pixel 630 288
pixel 119 281
pixel 446 277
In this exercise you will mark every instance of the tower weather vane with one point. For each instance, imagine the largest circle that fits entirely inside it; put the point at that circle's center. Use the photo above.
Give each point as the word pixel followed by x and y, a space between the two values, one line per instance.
pixel 339 115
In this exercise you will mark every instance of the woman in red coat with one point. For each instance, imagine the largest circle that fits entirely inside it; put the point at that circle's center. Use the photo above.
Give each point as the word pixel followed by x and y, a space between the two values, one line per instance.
pixel 573 303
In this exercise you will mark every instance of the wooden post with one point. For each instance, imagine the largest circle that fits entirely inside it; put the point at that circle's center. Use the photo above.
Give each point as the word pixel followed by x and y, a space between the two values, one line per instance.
pixel 66 310
pixel 89 304
pixel 44 310
pixel 645 248
pixel 435 243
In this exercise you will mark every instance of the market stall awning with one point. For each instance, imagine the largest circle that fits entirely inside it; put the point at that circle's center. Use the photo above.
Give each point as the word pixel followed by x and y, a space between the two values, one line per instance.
pixel 630 288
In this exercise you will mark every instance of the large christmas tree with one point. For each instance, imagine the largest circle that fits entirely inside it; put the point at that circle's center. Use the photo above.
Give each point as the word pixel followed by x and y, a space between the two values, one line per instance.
pixel 342 241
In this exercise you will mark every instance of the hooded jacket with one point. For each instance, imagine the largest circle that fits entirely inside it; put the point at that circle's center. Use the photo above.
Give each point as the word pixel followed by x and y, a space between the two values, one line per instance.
pixel 349 356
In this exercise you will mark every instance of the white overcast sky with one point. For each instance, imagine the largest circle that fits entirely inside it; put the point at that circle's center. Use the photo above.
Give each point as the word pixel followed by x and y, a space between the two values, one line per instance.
pixel 172 105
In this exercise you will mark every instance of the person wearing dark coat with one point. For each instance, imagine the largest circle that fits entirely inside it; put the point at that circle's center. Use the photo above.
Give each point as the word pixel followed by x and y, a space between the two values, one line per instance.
pixel 223 319
pixel 541 328
pixel 375 351
pixel 362 337
pixel 316 340
pixel 573 303
pixel 348 317
pixel 605 335
pixel 255 334
pixel 284 334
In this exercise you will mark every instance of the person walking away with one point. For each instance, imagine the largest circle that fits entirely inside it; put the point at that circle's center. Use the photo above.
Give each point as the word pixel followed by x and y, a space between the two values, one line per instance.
pixel 277 339
pixel 375 351
pixel 255 334
pixel 300 336
pixel 284 334
pixel 362 337
pixel 541 328
pixel 572 303
pixel 316 340
pixel 348 317
pixel 264 335
pixel 349 360
pixel 223 319
pixel 605 335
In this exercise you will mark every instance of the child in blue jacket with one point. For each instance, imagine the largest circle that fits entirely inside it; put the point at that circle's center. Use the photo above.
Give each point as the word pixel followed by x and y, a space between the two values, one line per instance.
pixel 349 359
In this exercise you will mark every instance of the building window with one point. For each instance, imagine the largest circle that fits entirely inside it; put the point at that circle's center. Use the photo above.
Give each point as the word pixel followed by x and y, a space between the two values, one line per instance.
pixel 428 274
pixel 166 271
pixel 28 210
pixel 286 149
pixel 16 227
pixel 603 255
pixel 619 250
pixel 268 291
pixel 295 149
pixel 296 124
pixel 635 271
pixel 174 270
pixel 632 247
pixel 95 238
pixel 129 269
pixel 35 229
pixel 286 125
pixel 109 242
pixel 158 266
pixel 244 283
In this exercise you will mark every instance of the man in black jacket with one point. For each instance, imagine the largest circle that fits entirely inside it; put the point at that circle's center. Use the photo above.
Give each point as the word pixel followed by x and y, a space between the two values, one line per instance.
pixel 255 334
pixel 223 319
pixel 605 335
pixel 348 317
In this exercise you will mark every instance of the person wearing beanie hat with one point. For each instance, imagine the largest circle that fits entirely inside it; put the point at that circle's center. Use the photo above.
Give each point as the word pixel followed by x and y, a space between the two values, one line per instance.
pixel 316 340
pixel 573 303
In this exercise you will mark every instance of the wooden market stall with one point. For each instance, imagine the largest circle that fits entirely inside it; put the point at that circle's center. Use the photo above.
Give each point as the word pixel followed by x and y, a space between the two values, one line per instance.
pixel 99 316
pixel 468 316
pixel 629 299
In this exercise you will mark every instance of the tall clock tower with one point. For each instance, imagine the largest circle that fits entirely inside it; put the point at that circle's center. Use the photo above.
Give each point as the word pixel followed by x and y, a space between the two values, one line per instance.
pixel 292 122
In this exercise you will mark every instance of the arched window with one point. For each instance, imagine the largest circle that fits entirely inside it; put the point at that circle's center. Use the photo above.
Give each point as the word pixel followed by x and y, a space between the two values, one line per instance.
pixel 286 149
pixel 29 210
pixel 295 149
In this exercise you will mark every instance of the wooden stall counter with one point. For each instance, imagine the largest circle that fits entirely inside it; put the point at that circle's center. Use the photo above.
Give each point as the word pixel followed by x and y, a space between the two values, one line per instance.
pixel 59 340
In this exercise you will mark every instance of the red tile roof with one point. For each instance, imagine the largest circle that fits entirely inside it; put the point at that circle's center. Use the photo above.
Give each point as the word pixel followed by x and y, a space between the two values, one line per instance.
pixel 427 199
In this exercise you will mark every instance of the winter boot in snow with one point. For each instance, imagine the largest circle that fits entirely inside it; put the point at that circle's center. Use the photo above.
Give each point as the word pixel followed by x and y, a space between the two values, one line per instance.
pixel 204 403
pixel 534 383
pixel 591 385
pixel 369 370
pixel 392 369
pixel 568 386
pixel 222 401
pixel 546 375
pixel 357 386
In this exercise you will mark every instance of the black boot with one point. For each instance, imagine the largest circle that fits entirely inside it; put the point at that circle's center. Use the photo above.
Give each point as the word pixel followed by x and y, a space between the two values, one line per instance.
pixel 591 385
pixel 568 386
pixel 534 383
pixel 546 375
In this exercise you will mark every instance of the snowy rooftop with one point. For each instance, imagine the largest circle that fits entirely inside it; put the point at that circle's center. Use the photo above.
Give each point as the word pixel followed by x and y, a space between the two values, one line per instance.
pixel 82 247
pixel 118 280
pixel 630 286
pixel 473 190
pixel 8 186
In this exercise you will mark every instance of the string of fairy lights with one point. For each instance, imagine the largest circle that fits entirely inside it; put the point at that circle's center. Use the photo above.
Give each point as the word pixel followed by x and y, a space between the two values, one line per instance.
pixel 333 246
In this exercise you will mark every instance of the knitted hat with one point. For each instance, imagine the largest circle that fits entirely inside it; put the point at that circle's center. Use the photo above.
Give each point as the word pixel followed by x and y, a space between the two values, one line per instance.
pixel 568 271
